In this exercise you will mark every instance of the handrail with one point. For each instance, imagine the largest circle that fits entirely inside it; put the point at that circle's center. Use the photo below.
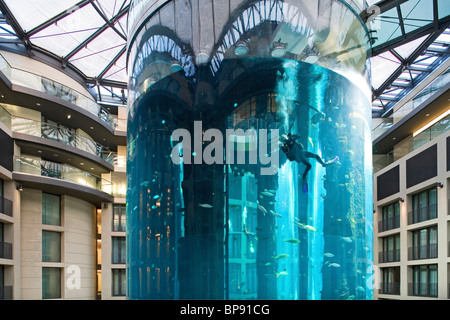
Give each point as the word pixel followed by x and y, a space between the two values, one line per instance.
pixel 56 132
pixel 37 166
pixel 438 83
pixel 37 82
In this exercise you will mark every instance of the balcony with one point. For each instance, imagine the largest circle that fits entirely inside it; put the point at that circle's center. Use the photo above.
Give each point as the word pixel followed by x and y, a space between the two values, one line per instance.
pixel 6 292
pixel 6 206
pixel 55 132
pixel 59 178
pixel 36 82
pixel 422 214
pixel 423 289
pixel 5 250
pixel 428 251
pixel 389 256
pixel 389 288
pixel 389 224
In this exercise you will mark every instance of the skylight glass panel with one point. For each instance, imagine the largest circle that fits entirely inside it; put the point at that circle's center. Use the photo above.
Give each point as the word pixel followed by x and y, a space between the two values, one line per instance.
pixel 111 8
pixel 416 14
pixel 32 13
pixel 118 71
pixel 6 31
pixel 383 66
pixel 388 26
pixel 98 54
pixel 443 8
pixel 66 34
pixel 407 49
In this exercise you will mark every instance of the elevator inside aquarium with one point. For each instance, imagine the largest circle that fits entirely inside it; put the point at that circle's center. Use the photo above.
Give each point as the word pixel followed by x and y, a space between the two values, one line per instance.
pixel 249 160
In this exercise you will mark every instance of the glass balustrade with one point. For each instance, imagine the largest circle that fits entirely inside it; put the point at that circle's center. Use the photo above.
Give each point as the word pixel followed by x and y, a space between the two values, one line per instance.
pixel 37 166
pixel 42 84
pixel 56 132
pixel 438 83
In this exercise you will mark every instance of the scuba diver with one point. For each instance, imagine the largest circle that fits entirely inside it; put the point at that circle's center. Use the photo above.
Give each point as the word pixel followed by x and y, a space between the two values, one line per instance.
pixel 295 151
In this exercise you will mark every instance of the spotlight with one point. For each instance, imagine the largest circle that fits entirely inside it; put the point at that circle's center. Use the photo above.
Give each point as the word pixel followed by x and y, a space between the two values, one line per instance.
pixel 241 48
pixel 279 49
pixel 439 185
pixel 175 66
pixel 311 56
pixel 401 200
pixel 20 187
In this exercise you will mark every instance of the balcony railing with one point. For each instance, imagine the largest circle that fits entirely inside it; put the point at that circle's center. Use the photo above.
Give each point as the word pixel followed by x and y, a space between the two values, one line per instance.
pixel 389 288
pixel 389 256
pixel 389 224
pixel 42 84
pixel 423 289
pixel 56 132
pixel 39 167
pixel 428 251
pixel 6 206
pixel 422 214
pixel 413 103
pixel 5 250
pixel 6 292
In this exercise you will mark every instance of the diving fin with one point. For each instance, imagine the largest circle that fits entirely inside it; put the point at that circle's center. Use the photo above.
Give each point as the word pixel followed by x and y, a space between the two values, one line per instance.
pixel 305 187
pixel 334 160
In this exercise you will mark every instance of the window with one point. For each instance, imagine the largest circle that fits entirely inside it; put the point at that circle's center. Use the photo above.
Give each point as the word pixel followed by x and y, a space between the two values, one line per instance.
pixel 51 246
pixel 51 283
pixel 119 282
pixel 119 218
pixel 424 206
pixel 391 249
pixel 51 209
pixel 390 217
pixel 424 244
pixel 425 281
pixel 119 250
pixel 390 280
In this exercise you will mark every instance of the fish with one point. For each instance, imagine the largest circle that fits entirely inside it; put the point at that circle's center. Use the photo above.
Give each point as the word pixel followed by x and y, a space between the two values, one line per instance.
pixel 154 207
pixel 261 208
pixel 281 256
pixel 359 288
pixel 157 196
pixel 292 241
pixel 276 214
pixel 277 275
pixel 145 183
pixel 347 239
pixel 205 205
pixel 352 297
pixel 267 194
pixel 305 226
pixel 329 255
pixel 334 264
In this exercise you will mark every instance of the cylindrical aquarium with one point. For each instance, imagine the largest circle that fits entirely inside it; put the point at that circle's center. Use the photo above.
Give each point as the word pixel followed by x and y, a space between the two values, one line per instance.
pixel 249 150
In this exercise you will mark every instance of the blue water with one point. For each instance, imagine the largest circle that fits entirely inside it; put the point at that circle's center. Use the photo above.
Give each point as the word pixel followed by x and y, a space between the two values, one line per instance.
pixel 228 232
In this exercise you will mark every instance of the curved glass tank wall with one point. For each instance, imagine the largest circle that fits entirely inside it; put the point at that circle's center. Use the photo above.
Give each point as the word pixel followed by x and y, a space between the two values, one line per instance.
pixel 262 227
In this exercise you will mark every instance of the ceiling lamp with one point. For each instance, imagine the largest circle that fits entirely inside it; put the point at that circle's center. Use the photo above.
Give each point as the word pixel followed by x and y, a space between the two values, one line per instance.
pixel 311 56
pixel 241 48
pixel 279 49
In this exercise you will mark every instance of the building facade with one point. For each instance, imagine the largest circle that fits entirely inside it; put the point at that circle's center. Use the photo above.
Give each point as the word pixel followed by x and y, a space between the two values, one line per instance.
pixel 62 186
pixel 411 183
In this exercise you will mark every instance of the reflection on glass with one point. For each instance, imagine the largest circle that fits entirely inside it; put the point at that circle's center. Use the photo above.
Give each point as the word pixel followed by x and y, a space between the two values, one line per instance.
pixel 304 232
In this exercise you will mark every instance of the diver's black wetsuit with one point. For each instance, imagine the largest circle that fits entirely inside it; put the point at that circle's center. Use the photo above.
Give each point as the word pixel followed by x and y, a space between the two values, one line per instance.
pixel 296 152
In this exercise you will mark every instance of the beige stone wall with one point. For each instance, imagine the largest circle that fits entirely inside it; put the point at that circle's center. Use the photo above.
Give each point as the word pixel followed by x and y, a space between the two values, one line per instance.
pixel 78 247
